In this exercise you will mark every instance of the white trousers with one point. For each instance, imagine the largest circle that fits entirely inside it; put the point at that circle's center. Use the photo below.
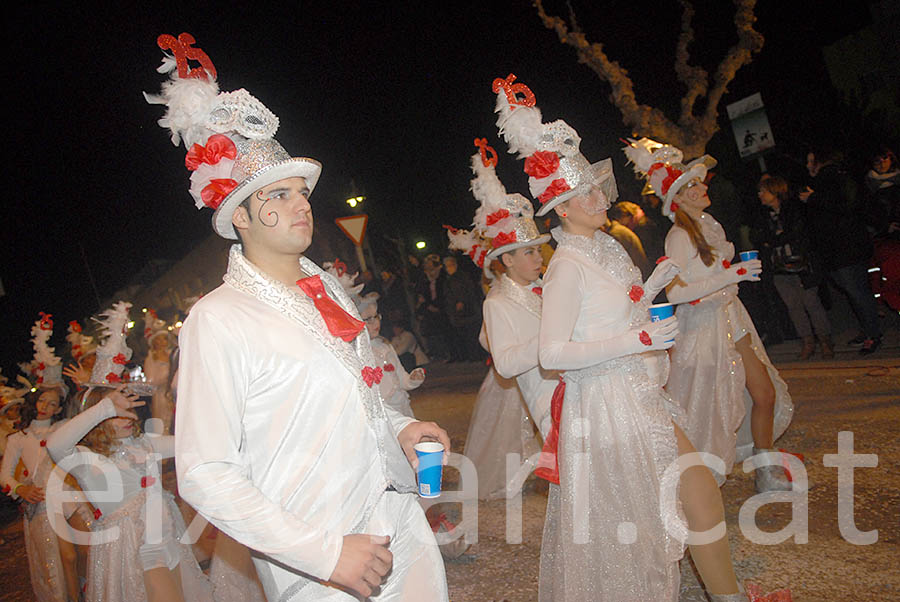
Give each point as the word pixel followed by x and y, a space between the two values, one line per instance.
pixel 417 574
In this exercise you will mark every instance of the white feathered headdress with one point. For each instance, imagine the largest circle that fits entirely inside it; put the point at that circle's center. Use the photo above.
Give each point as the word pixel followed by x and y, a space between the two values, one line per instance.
pixel 503 221
pixel 555 166
pixel 113 353
pixel 661 165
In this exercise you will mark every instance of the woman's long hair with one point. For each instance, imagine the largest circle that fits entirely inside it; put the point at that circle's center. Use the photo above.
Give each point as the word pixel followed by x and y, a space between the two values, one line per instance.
pixel 704 249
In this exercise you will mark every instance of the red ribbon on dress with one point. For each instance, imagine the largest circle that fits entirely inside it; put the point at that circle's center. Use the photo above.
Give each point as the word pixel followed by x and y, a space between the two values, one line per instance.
pixel 548 464
pixel 372 376
pixel 147 481
pixel 339 323
pixel 389 368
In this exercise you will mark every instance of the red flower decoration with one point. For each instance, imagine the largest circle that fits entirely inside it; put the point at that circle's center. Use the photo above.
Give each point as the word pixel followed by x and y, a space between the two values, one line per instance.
pixel 147 332
pixel 113 377
pixel 40 379
pixel 6 489
pixel 645 338
pixel 504 238
pixel 371 376
pixel 147 482
pixel 556 188
pixel 726 264
pixel 473 251
pixel 215 192
pixel 694 302
pixel 25 473
pixel 41 366
pixel 97 514
pixel 481 257
pixel 120 359
pixel 217 147
pixel 496 216
pixel 673 207
pixel 389 368
pixel 541 164
pixel 537 290
pixel 43 443
pixel 339 266
pixel 75 326
pixel 741 271
pixel 661 259
pixel 46 322
pixel 636 293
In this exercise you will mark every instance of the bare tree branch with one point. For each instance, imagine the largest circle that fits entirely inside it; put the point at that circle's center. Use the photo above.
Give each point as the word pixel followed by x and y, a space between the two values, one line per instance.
pixel 692 132
pixel 694 78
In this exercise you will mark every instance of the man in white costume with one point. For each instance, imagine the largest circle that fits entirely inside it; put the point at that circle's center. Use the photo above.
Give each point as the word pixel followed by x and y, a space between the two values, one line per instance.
pixel 282 439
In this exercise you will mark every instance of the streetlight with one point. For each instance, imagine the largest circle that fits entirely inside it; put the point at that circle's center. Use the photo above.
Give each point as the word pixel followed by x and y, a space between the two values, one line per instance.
pixel 420 244
pixel 354 201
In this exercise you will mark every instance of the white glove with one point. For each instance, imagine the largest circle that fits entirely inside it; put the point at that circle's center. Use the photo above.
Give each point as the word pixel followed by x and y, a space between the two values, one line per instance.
pixel 680 291
pixel 662 275
pixel 749 270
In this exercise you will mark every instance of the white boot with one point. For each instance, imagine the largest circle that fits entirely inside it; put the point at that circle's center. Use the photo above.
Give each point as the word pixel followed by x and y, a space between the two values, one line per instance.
pixel 771 478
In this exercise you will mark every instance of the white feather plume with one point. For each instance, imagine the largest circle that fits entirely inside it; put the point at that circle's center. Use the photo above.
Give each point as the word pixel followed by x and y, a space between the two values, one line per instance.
pixel 520 126
pixel 43 353
pixel 462 240
pixel 188 103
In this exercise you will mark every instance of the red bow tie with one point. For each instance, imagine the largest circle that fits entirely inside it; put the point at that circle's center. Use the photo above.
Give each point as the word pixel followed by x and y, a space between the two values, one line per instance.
pixel 339 322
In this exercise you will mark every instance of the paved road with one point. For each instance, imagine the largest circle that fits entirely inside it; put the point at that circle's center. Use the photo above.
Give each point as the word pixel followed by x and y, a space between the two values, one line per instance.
pixel 830 397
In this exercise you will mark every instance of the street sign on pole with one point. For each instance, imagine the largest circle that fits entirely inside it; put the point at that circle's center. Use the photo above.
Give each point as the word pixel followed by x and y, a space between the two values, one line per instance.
pixel 750 126
pixel 354 226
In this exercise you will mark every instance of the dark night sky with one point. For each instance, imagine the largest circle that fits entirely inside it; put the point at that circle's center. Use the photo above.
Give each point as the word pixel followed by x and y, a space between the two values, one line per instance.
pixel 390 97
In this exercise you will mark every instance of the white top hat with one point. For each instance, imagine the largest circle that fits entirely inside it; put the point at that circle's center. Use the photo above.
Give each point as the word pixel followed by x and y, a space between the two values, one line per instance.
pixel 661 165
pixel 556 169
pixel 229 135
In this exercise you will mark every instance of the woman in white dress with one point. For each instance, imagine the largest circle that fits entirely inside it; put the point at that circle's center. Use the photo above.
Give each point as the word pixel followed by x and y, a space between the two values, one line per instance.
pixel 40 413
pixel 719 365
pixel 618 533
pixel 145 561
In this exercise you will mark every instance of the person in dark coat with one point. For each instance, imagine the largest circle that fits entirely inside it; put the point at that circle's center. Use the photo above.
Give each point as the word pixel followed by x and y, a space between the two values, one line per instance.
pixel 836 213
pixel 462 304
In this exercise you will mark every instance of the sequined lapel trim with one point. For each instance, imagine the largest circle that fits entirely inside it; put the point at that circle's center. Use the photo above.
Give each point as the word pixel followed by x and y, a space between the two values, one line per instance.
pixel 520 295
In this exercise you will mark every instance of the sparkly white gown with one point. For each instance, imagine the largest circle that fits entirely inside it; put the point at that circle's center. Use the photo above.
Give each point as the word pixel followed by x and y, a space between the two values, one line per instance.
pixel 707 376
pixel 606 538
pixel 41 544
pixel 500 425
pixel 138 526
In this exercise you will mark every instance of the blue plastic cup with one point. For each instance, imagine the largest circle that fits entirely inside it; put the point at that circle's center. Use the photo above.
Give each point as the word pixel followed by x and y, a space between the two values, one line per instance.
pixel 747 256
pixel 431 463
pixel 661 311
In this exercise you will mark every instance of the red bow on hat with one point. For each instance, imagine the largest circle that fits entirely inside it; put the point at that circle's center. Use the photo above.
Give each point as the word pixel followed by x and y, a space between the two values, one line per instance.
pixel 497 216
pixel 75 326
pixel 372 376
pixel 339 323
pixel 217 148
pixel 504 238
pixel 46 322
